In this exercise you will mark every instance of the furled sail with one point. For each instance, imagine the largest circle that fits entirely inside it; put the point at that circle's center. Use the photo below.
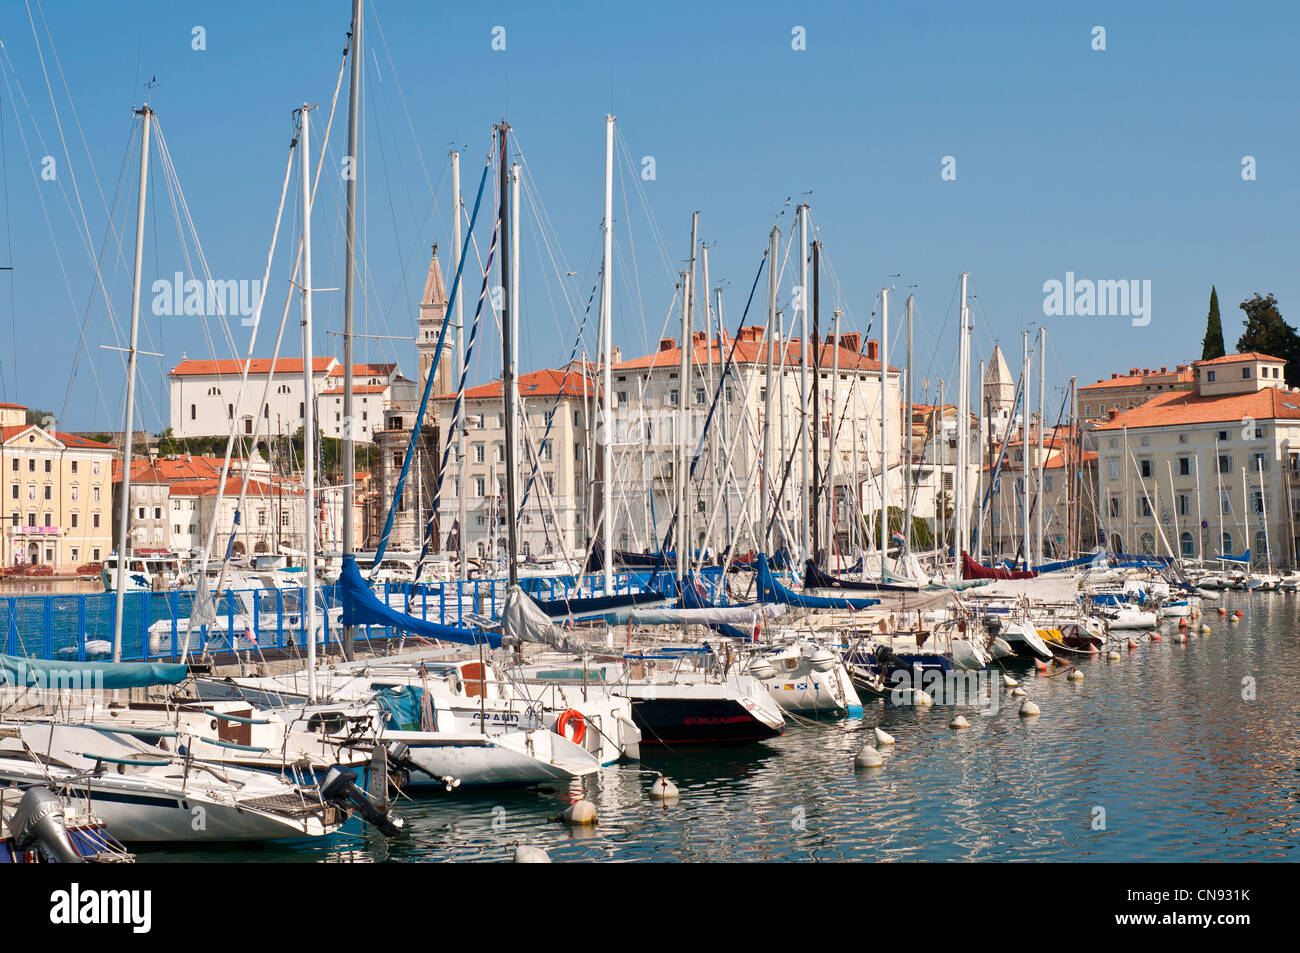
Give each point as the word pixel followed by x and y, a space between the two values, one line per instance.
pixel 362 607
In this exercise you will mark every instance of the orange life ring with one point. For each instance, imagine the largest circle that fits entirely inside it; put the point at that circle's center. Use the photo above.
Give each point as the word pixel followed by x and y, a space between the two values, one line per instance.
pixel 579 725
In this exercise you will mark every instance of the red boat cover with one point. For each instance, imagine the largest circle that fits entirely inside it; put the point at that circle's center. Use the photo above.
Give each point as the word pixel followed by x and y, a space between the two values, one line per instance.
pixel 970 569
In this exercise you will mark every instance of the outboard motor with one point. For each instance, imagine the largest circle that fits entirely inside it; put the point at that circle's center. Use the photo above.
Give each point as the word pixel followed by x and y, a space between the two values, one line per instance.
pixel 39 823
pixel 340 789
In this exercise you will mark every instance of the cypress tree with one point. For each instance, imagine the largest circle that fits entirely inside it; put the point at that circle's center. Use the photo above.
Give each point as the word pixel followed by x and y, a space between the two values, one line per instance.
pixel 1212 346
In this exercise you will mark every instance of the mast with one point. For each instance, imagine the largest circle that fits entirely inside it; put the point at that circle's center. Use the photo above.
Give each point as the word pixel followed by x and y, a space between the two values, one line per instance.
pixel 907 436
pixel 687 355
pixel 124 505
pixel 516 405
pixel 815 345
pixel 1263 515
pixel 979 471
pixel 462 561
pixel 1042 421
pixel 309 415
pixel 1025 539
pixel 508 392
pixel 832 439
pixel 683 372
pixel 961 511
pixel 606 358
pixel 349 264
pixel 884 429
pixel 765 498
pixel 803 379
pixel 1200 518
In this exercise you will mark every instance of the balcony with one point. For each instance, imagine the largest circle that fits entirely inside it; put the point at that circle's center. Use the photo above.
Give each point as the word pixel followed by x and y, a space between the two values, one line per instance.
pixel 32 530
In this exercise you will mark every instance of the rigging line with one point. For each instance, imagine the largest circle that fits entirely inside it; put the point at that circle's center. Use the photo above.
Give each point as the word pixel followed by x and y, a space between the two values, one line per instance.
pixel 428 384
pixel 165 156
pixel 58 64
pixel 72 173
pixel 9 235
pixel 457 410
pixel 433 191
pixel 655 233
pixel 6 70
pixel 713 406
pixel 550 418
pixel 544 241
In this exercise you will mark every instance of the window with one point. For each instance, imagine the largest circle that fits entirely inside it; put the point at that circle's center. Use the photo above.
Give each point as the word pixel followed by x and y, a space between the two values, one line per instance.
pixel 74 490
pixel 31 466
pixel 94 492
pixel 480 454
pixel 139 512
pixel 1112 469
pixel 1184 466
pixel 1245 373
pixel 1144 506
pixel 94 522
pixel 73 518
pixel 1209 377
pixel 1222 436
pixel 157 512
pixel 230 411
pixel 194 412
pixel 479 486
pixel 302 409
pixel 1225 463
pixel 550 483
pixel 1184 504
pixel 49 492
pixel 699 395
pixel 48 467
pixel 49 518
pixel 176 528
pixel 1259 462
pixel 672 398
pixel 1225 502
pixel 31 519
pixel 1144 467
pixel 284 520
pixel 14 491
pixel 75 557
pixel 261 517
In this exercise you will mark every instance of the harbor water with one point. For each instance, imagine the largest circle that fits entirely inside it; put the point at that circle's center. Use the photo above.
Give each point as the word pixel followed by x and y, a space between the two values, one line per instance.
pixel 1174 752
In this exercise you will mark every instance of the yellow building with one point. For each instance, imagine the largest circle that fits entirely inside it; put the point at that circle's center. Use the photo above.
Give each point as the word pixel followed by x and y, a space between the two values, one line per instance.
pixel 56 499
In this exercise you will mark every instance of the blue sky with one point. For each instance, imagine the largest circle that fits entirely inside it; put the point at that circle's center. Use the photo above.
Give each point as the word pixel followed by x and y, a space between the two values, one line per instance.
pixel 1117 164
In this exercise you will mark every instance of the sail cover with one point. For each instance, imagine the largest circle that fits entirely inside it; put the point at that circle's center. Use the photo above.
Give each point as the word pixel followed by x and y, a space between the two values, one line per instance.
pixel 362 607
pixel 523 619
pixel 769 590
pixel 77 676
pixel 716 615
pixel 970 569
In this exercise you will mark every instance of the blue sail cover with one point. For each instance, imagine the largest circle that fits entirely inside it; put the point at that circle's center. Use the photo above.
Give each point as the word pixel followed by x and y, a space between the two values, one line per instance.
pixel 769 590
pixel 362 607
pixel 40 673
pixel 692 599
pixel 1064 564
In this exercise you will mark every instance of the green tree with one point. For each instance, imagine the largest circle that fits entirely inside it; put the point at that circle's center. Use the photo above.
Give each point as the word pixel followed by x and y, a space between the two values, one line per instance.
pixel 1212 345
pixel 1268 333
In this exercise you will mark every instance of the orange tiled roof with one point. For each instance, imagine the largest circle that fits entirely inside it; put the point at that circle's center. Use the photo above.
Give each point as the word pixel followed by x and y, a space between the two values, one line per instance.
pixel 750 349
pixel 544 383
pixel 259 365
pixel 356 389
pixel 1238 358
pixel 1179 408
pixel 68 439
pixel 364 370
pixel 1136 380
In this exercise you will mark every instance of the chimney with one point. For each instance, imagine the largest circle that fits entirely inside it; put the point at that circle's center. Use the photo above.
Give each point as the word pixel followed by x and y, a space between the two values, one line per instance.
pixel 873 350
pixel 1112 414
pixel 616 355
pixel 667 344
pixel 1114 375
pixel 1164 370
pixel 698 338
pixel 851 341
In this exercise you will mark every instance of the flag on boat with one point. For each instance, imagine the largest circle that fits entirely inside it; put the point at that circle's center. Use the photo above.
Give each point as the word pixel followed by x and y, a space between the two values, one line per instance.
pixel 897 537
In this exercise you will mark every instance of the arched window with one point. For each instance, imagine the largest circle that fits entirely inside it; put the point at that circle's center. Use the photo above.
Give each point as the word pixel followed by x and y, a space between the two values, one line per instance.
pixel 230 411
pixel 214 391
pixel 1226 543
pixel 194 412
pixel 1186 545
pixel 1147 544
pixel 1261 546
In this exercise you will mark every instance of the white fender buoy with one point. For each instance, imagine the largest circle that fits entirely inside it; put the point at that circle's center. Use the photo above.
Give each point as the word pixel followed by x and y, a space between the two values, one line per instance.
pixel 1182 636
pixel 921 697
pixel 883 737
pixel 1008 681
pixel 1018 692
pixel 959 722
pixel 1075 675
pixel 1205 630
pixel 531 855
pixel 1114 655
pixel 1234 618
pixel 663 789
pixel 1029 710
pixel 581 812
pixel 868 757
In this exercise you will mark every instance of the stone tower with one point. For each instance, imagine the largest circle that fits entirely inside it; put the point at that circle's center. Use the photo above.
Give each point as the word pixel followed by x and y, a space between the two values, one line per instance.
pixel 999 394
pixel 433 312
